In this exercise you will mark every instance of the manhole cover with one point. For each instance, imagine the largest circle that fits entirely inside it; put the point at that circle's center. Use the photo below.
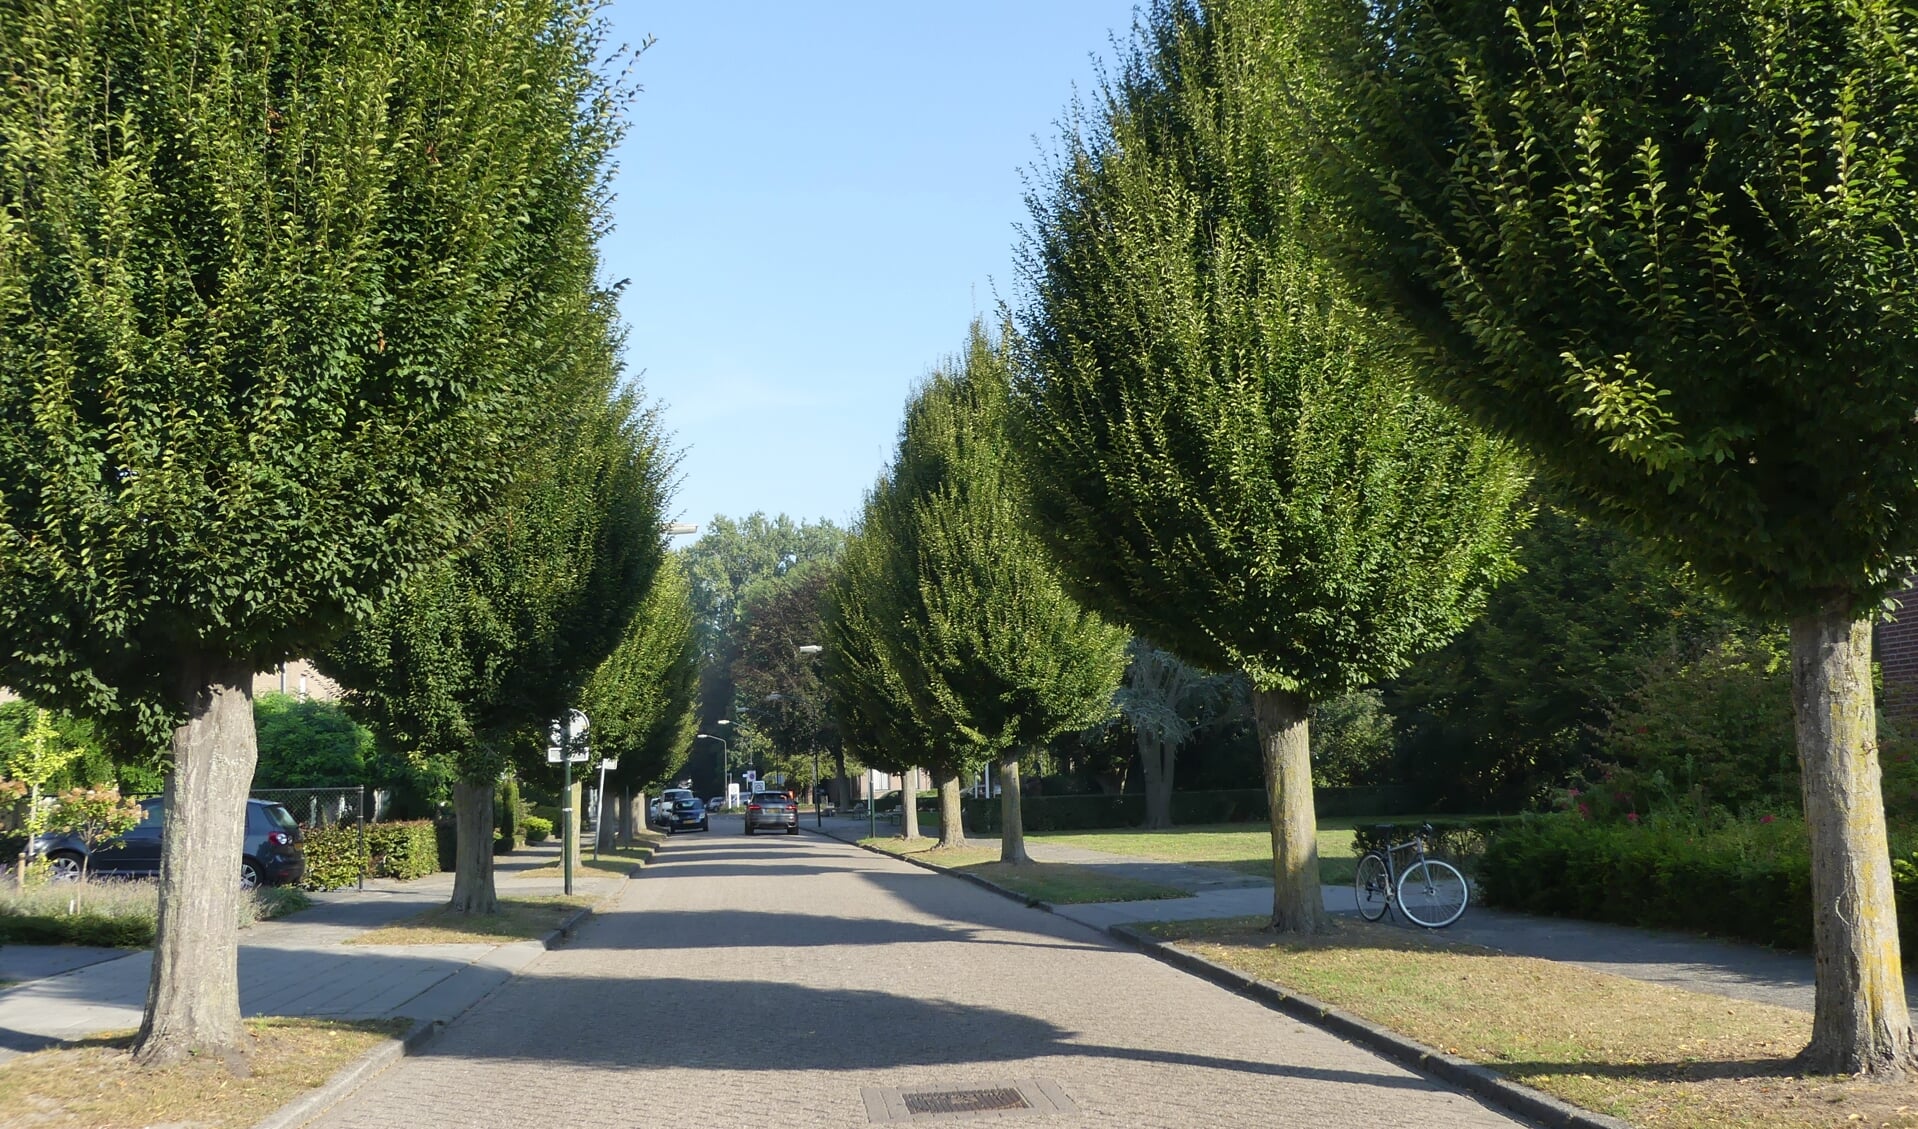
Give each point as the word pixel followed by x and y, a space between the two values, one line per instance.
pixel 1013 1098
pixel 964 1101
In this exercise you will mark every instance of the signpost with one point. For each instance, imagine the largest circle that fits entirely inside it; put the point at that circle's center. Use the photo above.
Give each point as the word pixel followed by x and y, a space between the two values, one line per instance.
pixel 606 765
pixel 566 743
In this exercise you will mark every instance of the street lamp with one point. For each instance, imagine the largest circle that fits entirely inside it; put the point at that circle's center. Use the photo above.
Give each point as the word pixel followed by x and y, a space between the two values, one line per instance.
pixel 725 756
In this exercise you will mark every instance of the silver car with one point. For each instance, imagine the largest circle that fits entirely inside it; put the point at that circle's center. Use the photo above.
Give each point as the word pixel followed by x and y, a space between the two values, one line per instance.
pixel 772 811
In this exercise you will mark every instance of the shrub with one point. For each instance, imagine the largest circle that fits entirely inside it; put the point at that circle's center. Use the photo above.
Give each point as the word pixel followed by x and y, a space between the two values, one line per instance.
pixel 1462 842
pixel 403 850
pixel 1352 739
pixel 1235 805
pixel 307 743
pixel 112 912
pixel 535 829
pixel 446 841
pixel 1750 880
pixel 333 857
pixel 507 817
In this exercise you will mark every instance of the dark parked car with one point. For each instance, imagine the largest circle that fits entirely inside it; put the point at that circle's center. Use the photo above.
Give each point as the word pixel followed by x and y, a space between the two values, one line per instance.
pixel 771 811
pixel 686 814
pixel 273 851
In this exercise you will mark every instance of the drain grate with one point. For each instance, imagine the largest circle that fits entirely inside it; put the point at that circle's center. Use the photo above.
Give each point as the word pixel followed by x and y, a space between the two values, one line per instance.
pixel 964 1101
pixel 1018 1097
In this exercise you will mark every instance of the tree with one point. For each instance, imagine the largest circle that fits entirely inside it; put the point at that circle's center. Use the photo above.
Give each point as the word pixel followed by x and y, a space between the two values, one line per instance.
pixel 1667 249
pixel 96 816
pixel 641 699
pixel 793 706
pixel 990 645
pixel 307 743
pixel 273 281
pixel 1154 700
pixel 471 664
pixel 868 697
pixel 1227 454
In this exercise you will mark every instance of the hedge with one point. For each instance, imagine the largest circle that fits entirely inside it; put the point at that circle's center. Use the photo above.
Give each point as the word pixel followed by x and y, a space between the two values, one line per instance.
pixel 535 829
pixel 1238 805
pixel 1751 881
pixel 393 850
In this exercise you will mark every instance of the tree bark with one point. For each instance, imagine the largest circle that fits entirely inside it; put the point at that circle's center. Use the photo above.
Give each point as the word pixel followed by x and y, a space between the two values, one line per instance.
pixel 604 827
pixel 193 992
pixel 625 817
pixel 952 815
pixel 1860 1023
pixel 842 785
pixel 1298 906
pixel 473 889
pixel 909 804
pixel 1156 757
pixel 1012 833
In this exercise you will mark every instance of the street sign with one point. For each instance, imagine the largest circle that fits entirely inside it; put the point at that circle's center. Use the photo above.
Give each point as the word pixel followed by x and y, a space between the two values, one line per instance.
pixel 580 756
pixel 608 765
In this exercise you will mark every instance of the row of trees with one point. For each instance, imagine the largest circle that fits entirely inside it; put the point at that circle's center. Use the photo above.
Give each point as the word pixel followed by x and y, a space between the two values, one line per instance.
pixel 305 353
pixel 1313 286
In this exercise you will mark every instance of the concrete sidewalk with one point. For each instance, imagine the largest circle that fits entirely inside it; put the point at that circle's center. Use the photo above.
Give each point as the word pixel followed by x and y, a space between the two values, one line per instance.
pixel 1677 960
pixel 299 965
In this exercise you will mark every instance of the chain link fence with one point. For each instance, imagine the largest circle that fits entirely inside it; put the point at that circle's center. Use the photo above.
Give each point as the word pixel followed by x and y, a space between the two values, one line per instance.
pixel 323 807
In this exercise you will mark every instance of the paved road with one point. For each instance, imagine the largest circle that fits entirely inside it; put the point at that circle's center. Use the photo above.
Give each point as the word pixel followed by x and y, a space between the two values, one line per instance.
pixel 783 981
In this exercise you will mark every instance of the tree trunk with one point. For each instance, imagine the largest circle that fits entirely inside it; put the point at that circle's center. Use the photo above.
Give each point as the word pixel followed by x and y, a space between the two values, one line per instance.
pixel 952 815
pixel 909 804
pixel 604 828
pixel 625 817
pixel 473 889
pixel 1298 906
pixel 577 799
pixel 1155 757
pixel 193 993
pixel 842 785
pixel 1859 1019
pixel 1012 833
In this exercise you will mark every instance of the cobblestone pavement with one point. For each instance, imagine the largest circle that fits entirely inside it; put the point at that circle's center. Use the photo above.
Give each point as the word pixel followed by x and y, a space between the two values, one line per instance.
pixel 783 981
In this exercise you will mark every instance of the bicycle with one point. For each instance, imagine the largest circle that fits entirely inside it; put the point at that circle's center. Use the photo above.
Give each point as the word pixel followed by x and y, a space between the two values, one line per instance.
pixel 1430 893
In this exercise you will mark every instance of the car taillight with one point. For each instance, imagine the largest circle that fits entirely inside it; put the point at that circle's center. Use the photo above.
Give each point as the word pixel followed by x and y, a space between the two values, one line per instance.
pixel 280 839
pixel 752 807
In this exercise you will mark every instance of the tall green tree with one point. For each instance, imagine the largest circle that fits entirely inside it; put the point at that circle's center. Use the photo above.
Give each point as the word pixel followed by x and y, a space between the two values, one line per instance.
pixel 791 701
pixel 274 282
pixel 641 699
pixel 1156 700
pixel 1227 454
pixel 471 664
pixel 991 645
pixel 1669 249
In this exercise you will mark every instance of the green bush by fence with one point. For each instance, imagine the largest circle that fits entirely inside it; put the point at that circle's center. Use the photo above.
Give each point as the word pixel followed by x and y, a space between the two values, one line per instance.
pixel 1747 880
pixel 535 829
pixel 393 850
pixel 1239 805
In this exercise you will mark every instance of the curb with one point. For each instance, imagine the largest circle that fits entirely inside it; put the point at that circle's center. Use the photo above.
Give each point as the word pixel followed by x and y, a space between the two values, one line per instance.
pixel 353 1075
pixel 1494 1088
pixel 349 1078
pixel 985 884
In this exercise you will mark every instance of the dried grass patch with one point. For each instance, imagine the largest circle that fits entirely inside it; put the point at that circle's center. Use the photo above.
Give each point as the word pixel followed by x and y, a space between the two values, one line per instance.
pixel 518 919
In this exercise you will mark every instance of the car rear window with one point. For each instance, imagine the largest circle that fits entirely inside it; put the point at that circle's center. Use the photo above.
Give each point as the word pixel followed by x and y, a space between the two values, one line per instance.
pixel 277 816
pixel 685 805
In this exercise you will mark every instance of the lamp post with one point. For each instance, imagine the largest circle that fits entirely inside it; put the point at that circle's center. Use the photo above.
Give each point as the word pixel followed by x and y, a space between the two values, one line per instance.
pixel 725 756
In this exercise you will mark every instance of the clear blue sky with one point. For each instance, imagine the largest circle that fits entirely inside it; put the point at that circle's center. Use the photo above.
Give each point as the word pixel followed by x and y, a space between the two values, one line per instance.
pixel 812 202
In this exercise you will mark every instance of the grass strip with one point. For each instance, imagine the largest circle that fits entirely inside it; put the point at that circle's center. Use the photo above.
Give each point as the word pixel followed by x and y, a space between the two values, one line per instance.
pixel 1242 847
pixel 114 912
pixel 94 1084
pixel 1658 1057
pixel 518 919
pixel 619 860
pixel 1057 883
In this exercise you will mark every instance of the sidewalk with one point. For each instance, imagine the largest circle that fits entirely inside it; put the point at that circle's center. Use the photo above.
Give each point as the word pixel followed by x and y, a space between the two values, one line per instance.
pixel 295 966
pixel 1678 960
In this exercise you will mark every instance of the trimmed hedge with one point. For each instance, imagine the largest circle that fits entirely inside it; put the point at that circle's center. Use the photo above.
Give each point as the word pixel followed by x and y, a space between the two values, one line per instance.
pixel 535 829
pixel 1237 805
pixel 393 850
pixel 1750 881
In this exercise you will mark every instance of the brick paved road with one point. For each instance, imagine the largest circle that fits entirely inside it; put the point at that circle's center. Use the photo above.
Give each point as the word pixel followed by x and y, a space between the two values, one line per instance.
pixel 766 980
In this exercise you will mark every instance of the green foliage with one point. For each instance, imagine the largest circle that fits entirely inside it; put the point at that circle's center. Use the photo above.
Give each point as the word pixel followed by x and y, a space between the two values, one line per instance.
pixel 307 743
pixel 96 816
pixel 536 829
pixel 641 698
pixel 34 763
pixel 402 850
pixel 280 287
pixel 506 816
pixel 333 857
pixel 1352 739
pixel 1716 725
pixel 1751 880
pixel 1668 248
pixel 1189 809
pixel 1227 453
pixel 793 703
pixel 1522 699
pixel 96 763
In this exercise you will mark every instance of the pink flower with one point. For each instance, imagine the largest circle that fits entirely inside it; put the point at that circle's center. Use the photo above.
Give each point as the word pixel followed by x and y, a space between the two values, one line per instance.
pixel 1631 817
pixel 1764 819
pixel 1583 810
pixel 1573 793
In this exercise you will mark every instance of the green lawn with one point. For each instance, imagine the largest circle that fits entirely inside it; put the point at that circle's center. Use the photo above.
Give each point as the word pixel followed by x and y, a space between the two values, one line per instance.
pixel 1244 847
pixel 1058 883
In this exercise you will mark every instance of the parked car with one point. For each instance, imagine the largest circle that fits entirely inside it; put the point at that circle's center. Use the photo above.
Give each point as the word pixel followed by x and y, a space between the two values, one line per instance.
pixel 663 807
pixel 274 853
pixel 686 814
pixel 717 803
pixel 772 811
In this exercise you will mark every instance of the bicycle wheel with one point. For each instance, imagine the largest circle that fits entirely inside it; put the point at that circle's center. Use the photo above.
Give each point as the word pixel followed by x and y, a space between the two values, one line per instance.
pixel 1373 886
pixel 1432 893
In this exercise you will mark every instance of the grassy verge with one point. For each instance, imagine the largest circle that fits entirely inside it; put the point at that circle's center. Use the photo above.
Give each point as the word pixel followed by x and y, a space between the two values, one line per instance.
pixel 93 1084
pixel 1658 1057
pixel 620 860
pixel 1058 883
pixel 113 912
pixel 1244 847
pixel 518 919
